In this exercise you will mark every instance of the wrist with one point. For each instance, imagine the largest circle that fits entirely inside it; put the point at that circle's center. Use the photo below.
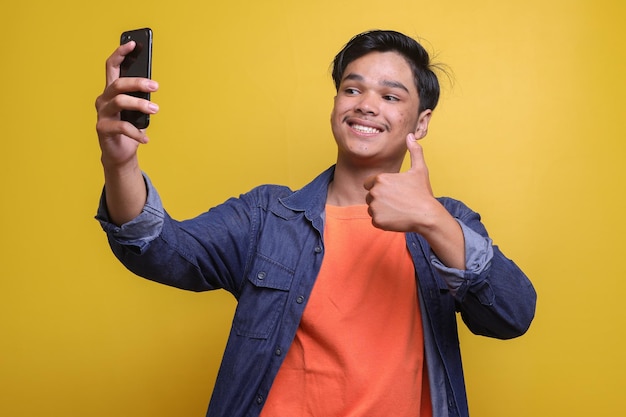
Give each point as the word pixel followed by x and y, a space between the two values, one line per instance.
pixel 113 168
pixel 429 217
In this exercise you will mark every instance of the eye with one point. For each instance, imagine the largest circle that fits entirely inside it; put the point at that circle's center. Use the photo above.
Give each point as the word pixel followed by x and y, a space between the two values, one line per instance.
pixel 390 98
pixel 351 91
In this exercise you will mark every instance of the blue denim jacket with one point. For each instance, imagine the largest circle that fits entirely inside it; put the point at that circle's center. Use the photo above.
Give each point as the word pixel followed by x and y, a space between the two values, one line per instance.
pixel 266 248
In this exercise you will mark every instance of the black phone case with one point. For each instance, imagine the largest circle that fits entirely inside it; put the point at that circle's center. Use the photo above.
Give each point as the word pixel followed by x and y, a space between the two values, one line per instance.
pixel 137 64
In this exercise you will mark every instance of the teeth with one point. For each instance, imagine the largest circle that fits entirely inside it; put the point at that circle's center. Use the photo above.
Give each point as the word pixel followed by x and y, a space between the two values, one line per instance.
pixel 365 129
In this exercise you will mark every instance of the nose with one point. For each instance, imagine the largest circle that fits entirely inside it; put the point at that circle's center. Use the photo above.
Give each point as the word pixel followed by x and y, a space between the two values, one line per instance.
pixel 366 104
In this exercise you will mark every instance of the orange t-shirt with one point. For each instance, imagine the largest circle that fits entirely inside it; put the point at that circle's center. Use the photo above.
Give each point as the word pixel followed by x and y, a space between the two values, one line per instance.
pixel 359 350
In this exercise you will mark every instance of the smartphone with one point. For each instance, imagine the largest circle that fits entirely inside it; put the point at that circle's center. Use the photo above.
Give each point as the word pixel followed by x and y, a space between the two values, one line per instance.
pixel 137 64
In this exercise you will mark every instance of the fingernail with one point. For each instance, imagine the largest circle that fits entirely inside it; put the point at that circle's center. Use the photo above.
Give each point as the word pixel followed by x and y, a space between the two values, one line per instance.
pixel 152 85
pixel 153 107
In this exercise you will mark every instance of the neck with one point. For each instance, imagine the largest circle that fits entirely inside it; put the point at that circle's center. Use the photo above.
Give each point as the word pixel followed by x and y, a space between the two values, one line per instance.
pixel 347 187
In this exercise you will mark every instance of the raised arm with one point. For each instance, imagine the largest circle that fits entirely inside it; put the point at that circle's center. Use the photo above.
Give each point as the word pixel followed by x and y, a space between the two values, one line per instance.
pixel 404 202
pixel 119 140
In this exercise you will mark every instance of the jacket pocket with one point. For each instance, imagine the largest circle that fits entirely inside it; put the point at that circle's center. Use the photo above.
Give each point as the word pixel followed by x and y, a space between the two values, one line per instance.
pixel 263 298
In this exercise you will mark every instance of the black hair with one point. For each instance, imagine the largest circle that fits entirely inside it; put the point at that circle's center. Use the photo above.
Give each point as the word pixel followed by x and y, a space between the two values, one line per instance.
pixel 385 41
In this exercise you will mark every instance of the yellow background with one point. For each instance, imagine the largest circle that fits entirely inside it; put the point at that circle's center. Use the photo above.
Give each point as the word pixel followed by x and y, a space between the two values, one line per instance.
pixel 530 133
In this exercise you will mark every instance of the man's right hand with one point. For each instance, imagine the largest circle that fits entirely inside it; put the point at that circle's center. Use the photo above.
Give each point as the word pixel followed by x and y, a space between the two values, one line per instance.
pixel 119 140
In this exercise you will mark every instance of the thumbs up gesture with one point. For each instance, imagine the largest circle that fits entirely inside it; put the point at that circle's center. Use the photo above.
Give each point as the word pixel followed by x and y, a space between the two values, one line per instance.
pixel 404 202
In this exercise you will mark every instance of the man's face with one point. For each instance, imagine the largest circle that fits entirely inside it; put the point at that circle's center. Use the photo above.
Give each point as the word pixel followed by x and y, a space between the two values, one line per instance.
pixel 375 108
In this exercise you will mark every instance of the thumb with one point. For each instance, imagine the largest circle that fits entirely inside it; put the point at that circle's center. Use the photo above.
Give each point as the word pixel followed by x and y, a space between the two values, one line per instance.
pixel 416 151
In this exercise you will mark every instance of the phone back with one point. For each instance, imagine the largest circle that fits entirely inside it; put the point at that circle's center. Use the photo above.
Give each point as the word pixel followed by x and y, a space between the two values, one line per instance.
pixel 137 64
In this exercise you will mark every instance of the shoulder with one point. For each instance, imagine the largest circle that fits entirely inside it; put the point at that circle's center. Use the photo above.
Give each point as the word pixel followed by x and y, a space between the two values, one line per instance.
pixel 268 192
pixel 460 211
pixel 265 197
pixel 456 208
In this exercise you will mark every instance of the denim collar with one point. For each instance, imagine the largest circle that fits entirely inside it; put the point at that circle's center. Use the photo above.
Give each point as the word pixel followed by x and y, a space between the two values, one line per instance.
pixel 311 199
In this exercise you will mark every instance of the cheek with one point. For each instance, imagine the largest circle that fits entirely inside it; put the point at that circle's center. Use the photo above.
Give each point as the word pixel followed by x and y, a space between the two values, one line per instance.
pixel 407 120
pixel 334 124
pixel 337 113
pixel 333 117
pixel 339 107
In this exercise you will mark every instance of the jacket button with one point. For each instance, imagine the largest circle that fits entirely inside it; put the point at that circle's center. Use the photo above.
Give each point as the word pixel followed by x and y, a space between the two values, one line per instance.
pixel 261 275
pixel 278 352
pixel 318 249
pixel 259 399
pixel 300 299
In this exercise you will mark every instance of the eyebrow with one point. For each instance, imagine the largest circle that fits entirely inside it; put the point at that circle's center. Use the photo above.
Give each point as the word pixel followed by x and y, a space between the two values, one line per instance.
pixel 386 83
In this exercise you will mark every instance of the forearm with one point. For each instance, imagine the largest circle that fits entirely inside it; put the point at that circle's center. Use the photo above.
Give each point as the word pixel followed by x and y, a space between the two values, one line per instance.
pixel 125 191
pixel 201 253
pixel 494 296
pixel 500 302
pixel 445 237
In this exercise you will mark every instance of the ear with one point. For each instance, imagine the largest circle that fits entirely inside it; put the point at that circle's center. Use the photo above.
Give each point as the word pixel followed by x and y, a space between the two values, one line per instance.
pixel 422 124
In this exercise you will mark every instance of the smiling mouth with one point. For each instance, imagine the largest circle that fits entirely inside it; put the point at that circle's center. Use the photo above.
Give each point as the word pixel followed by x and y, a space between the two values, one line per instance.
pixel 368 130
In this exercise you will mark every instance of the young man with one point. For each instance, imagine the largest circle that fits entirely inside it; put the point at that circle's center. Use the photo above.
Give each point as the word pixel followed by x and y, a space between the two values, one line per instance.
pixel 348 288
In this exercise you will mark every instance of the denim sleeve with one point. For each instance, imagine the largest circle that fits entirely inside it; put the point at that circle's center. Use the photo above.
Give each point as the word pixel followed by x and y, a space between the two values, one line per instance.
pixel 478 255
pixel 140 231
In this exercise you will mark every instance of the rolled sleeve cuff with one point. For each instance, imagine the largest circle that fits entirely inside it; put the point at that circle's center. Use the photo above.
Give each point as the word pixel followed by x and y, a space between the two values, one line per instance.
pixel 478 255
pixel 140 231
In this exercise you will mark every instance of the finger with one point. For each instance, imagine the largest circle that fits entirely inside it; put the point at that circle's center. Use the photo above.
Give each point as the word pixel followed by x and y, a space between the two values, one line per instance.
pixel 128 85
pixel 111 109
pixel 114 62
pixel 369 182
pixel 113 99
pixel 416 151
pixel 418 164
